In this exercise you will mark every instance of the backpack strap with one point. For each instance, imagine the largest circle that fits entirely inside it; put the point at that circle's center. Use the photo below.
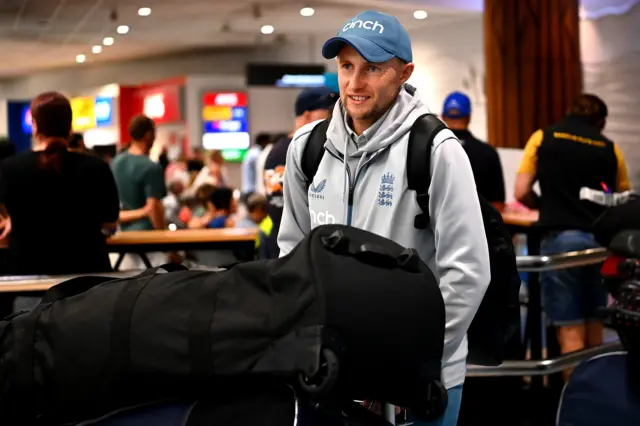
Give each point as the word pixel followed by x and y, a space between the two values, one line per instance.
pixel 423 132
pixel 314 150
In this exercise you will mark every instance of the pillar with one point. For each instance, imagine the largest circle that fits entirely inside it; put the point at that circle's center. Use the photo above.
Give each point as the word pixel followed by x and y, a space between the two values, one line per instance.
pixel 533 69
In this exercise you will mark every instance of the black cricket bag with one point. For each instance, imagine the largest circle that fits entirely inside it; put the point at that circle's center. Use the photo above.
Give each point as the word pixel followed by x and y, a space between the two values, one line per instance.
pixel 346 315
pixel 601 391
pixel 498 317
pixel 271 404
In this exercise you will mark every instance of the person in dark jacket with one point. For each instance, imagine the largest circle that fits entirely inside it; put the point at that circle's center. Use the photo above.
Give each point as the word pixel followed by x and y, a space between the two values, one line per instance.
pixel 484 159
pixel 311 105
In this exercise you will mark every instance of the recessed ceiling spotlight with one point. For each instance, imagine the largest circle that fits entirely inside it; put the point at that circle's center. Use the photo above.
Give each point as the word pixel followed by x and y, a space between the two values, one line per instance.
pixel 420 14
pixel 267 29
pixel 96 49
pixel 122 29
pixel 80 59
pixel 144 11
pixel 307 11
pixel 108 41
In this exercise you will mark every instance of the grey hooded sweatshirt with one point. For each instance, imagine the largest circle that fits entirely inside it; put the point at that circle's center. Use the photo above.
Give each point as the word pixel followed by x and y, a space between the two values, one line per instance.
pixel 369 191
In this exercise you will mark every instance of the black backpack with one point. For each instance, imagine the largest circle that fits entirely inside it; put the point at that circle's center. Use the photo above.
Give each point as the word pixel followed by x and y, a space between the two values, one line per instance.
pixel 498 317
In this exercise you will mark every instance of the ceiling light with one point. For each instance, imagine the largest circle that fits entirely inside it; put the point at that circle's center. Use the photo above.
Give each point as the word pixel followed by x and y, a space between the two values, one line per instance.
pixel 144 11
pixel 122 29
pixel 307 11
pixel 108 41
pixel 420 14
pixel 96 49
pixel 267 29
pixel 80 59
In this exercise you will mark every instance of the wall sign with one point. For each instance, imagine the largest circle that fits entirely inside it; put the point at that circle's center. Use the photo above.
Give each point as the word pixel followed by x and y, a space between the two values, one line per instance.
pixel 83 113
pixel 154 106
pixel 226 123
pixel 104 111
pixel 27 120
pixel 19 124
pixel 162 104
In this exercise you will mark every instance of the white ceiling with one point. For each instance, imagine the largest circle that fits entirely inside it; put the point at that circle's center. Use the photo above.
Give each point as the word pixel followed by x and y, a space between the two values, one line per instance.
pixel 43 34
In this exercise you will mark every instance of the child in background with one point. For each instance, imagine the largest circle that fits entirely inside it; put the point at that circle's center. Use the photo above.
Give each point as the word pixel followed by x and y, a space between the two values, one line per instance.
pixel 257 217
pixel 220 207
pixel 196 206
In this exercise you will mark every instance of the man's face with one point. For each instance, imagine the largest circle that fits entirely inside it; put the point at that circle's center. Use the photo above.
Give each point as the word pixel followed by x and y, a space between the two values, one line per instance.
pixel 368 89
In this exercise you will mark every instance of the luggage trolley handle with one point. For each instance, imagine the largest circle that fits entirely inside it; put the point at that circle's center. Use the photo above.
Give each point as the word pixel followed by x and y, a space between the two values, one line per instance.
pixel 372 254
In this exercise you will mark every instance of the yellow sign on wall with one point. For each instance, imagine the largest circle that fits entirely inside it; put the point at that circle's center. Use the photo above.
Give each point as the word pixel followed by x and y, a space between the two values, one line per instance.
pixel 217 113
pixel 84 116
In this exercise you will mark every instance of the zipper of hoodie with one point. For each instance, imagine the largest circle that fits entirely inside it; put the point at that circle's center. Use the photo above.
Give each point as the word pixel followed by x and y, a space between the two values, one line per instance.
pixel 352 184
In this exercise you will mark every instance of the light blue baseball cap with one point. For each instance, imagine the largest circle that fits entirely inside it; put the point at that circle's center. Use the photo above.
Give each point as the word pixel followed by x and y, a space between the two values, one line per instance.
pixel 376 36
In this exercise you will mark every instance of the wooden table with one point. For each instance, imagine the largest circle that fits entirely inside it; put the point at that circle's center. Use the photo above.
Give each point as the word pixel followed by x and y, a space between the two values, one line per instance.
pixel 519 219
pixel 241 241
pixel 40 283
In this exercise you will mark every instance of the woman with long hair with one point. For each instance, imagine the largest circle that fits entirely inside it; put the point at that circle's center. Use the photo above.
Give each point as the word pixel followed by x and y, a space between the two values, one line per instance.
pixel 58 205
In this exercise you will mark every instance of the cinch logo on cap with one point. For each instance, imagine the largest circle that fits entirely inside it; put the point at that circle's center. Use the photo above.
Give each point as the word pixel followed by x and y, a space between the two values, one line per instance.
pixel 367 25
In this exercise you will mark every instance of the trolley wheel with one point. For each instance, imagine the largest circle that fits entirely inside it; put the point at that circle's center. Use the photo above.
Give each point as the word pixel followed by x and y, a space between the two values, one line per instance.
pixel 326 377
pixel 431 402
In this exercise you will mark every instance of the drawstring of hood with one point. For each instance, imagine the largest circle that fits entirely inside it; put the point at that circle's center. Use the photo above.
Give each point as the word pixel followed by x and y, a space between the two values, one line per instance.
pixel 391 127
pixel 346 188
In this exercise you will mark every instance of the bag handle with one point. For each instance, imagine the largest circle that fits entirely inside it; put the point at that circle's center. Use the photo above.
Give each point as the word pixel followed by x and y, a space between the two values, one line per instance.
pixel 168 267
pixel 73 287
pixel 79 285
pixel 372 254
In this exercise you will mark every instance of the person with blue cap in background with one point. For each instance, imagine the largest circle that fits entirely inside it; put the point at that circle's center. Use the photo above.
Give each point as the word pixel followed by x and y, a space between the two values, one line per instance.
pixel 485 161
pixel 366 147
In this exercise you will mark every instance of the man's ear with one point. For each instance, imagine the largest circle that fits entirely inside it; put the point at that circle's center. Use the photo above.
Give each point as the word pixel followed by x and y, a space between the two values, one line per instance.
pixel 407 70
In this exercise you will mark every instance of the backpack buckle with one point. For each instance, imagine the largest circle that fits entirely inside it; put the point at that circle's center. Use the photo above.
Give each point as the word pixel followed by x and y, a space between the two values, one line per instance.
pixel 421 221
pixel 423 201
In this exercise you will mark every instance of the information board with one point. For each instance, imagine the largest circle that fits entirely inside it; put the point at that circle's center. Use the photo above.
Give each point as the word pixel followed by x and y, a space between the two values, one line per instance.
pixel 225 119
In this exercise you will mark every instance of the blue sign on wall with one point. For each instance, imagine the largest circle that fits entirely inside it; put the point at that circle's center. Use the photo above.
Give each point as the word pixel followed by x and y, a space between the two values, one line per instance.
pixel 104 111
pixel 27 121
pixel 19 124
pixel 331 81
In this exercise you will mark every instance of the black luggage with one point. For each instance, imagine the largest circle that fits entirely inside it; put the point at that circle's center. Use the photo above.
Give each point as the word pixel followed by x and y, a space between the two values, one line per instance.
pixel 268 405
pixel 498 317
pixel 346 315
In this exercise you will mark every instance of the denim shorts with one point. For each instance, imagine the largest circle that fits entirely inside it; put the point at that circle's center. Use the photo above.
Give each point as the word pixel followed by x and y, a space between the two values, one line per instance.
pixel 571 296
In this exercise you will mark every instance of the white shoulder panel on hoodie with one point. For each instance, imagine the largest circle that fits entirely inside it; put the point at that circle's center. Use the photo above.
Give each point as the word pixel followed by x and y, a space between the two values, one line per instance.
pixel 295 222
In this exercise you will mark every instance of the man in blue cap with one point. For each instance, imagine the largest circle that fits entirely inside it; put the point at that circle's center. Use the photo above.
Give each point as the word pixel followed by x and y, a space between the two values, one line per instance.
pixel 311 105
pixel 366 148
pixel 485 161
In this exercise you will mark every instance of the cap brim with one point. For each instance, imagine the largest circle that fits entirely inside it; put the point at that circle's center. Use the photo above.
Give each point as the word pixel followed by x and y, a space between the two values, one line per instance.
pixel 366 48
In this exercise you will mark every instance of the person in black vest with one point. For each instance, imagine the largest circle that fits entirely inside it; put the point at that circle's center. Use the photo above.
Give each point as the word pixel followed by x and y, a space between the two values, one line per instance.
pixel 311 105
pixel 484 159
pixel 575 165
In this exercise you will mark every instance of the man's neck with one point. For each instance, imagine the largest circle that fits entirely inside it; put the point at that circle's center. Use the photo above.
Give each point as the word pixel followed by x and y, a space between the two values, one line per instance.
pixel 136 148
pixel 42 144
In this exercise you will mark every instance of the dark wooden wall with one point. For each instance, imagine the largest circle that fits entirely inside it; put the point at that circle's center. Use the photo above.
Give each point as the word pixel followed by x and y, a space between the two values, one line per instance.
pixel 533 69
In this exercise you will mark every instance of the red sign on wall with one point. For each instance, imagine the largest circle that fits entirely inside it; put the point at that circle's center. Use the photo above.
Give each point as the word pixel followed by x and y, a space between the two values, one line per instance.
pixel 162 104
pixel 229 99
